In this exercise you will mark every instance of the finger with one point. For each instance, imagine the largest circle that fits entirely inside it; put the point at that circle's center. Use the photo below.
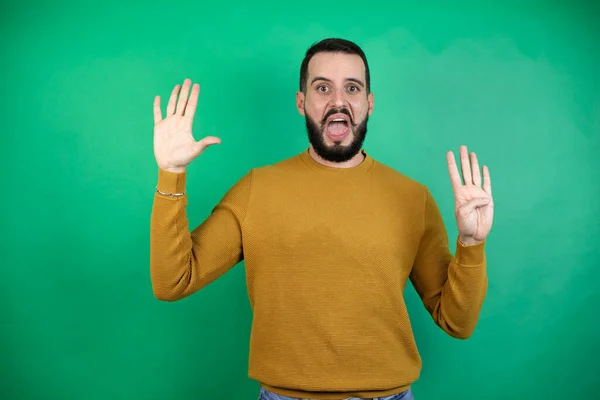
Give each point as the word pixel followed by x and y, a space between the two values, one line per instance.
pixel 475 170
pixel 190 110
pixel 453 171
pixel 201 145
pixel 157 112
pixel 464 164
pixel 173 100
pixel 183 97
pixel 487 182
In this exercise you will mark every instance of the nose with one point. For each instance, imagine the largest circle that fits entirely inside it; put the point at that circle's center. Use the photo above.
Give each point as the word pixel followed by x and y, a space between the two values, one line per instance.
pixel 338 99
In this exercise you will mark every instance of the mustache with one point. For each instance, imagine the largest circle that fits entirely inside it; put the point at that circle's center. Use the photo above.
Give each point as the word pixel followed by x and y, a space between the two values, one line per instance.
pixel 337 111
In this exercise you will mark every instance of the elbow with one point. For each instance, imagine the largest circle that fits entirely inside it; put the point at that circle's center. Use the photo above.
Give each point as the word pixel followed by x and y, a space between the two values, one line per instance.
pixel 165 286
pixel 461 334
pixel 173 286
pixel 166 296
pixel 165 291
pixel 458 325
pixel 461 331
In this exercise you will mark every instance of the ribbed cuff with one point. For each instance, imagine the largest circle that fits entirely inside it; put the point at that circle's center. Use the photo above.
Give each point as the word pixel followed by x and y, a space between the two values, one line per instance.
pixel 470 255
pixel 171 182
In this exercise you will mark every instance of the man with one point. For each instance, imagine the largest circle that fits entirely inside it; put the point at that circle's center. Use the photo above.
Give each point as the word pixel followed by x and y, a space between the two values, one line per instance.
pixel 329 238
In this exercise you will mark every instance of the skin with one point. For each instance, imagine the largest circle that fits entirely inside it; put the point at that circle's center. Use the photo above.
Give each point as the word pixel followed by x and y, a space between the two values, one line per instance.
pixel 334 81
pixel 338 80
pixel 473 202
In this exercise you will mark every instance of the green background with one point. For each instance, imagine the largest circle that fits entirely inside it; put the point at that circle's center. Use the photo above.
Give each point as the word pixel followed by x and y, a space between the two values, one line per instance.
pixel 517 82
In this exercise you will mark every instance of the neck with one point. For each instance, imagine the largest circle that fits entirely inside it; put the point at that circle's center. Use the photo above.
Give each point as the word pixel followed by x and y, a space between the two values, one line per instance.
pixel 353 162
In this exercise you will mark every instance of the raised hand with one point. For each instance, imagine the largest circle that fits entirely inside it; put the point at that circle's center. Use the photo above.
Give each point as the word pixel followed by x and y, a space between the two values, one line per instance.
pixel 473 203
pixel 174 143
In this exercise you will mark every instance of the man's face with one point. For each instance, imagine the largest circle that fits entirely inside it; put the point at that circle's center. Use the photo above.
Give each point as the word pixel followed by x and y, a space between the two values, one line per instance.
pixel 336 105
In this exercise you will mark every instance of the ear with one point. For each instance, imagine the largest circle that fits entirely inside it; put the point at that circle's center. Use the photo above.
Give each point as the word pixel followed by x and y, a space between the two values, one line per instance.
pixel 371 101
pixel 300 102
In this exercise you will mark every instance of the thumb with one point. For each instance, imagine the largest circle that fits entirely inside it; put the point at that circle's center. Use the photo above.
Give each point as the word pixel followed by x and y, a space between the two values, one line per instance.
pixel 470 205
pixel 201 145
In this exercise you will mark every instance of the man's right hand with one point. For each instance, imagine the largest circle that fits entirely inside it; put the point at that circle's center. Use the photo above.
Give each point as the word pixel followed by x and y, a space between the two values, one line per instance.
pixel 174 144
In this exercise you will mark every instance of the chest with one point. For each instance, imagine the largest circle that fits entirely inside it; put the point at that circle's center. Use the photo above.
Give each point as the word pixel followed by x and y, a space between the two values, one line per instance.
pixel 363 224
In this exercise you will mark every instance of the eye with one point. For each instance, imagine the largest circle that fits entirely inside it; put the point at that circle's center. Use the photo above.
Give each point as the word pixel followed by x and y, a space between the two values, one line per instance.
pixel 322 88
pixel 353 89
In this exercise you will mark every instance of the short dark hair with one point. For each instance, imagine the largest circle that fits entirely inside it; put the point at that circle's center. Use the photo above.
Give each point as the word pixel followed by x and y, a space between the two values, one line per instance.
pixel 332 45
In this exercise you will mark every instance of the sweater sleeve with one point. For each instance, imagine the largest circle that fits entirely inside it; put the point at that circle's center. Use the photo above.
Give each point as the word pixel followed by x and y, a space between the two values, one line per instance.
pixel 184 261
pixel 452 288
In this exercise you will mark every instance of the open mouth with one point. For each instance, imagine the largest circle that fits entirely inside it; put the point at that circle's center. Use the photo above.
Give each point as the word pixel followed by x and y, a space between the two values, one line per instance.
pixel 337 126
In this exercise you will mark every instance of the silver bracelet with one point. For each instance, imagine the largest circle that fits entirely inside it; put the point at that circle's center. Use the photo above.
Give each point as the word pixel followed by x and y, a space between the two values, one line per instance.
pixel 170 194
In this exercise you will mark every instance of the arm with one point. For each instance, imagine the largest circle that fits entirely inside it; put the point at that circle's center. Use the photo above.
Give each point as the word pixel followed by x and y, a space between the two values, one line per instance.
pixel 451 288
pixel 182 262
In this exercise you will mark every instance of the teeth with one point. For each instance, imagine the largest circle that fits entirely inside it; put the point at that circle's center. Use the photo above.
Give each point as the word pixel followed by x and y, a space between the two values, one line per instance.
pixel 339 120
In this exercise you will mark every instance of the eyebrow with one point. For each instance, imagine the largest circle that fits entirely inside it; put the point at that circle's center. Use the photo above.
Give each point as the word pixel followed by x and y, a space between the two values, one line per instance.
pixel 321 78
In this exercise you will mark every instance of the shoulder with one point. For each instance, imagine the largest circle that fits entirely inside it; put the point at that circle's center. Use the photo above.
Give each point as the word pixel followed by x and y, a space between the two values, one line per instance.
pixel 397 179
pixel 277 170
pixel 410 192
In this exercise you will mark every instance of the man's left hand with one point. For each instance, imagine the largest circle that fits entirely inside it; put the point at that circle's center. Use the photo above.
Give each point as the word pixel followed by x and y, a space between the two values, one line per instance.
pixel 473 203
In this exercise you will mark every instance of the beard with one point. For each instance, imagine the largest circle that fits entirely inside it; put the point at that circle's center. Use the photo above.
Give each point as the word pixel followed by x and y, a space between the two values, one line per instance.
pixel 337 153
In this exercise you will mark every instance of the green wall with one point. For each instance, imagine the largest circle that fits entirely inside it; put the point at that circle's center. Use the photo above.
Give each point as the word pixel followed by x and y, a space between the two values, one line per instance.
pixel 518 83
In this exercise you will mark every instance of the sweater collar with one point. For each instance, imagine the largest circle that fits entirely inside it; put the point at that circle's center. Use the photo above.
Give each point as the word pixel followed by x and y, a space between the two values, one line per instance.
pixel 364 166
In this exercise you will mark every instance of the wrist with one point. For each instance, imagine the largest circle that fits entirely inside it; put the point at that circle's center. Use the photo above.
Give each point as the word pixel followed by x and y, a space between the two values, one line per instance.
pixel 171 182
pixel 175 170
pixel 469 241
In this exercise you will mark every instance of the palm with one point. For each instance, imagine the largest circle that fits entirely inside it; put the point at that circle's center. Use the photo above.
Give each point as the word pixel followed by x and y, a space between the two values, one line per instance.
pixel 174 144
pixel 173 141
pixel 474 206
pixel 478 222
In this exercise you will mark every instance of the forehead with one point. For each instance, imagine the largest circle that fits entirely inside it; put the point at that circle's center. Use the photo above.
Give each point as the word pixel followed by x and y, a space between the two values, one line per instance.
pixel 336 66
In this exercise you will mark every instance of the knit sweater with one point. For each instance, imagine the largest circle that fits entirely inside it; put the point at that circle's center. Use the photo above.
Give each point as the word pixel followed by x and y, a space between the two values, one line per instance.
pixel 327 254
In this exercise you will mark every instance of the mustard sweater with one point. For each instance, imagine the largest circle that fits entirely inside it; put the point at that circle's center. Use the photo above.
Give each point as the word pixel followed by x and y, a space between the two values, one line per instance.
pixel 327 253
